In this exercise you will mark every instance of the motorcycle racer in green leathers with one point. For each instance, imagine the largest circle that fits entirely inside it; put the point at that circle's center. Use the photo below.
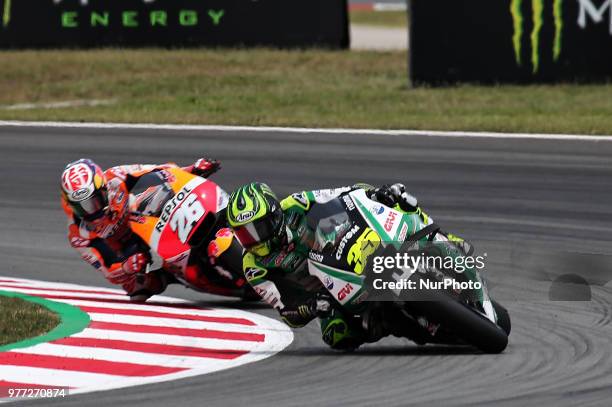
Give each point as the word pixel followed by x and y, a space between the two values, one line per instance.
pixel 278 239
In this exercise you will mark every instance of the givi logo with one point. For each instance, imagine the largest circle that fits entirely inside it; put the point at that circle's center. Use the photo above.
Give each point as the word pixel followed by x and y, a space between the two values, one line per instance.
pixel 346 290
pixel 390 221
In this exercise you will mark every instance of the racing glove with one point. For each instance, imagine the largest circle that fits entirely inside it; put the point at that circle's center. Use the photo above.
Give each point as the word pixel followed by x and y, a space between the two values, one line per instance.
pixel 297 316
pixel 148 285
pixel 322 305
pixel 205 167
pixel 126 273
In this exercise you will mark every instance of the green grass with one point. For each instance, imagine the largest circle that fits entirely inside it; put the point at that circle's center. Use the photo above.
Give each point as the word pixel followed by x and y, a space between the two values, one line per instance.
pixel 21 319
pixel 284 88
pixel 397 19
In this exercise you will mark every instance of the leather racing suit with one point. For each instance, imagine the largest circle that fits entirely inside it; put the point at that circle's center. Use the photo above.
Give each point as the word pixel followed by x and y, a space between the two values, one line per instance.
pixel 108 243
pixel 282 279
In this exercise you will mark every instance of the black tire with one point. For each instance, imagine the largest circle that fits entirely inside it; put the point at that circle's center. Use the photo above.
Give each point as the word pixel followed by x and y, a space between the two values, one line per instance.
pixel 467 324
pixel 503 317
pixel 471 327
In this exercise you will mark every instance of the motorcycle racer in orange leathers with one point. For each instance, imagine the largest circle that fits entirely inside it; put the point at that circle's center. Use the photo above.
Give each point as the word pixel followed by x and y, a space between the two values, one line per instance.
pixel 96 203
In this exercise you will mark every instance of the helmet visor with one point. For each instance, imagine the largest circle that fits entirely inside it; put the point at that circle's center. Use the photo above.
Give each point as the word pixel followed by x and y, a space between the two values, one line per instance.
pixel 91 207
pixel 259 231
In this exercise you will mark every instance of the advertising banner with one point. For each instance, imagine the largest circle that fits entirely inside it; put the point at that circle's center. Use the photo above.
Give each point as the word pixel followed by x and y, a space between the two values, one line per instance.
pixel 518 41
pixel 173 23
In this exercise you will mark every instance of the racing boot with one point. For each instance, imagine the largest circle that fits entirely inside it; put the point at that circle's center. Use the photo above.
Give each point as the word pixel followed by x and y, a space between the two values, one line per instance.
pixel 337 333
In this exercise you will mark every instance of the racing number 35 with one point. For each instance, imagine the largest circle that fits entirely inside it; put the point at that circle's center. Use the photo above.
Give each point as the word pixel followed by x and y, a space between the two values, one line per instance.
pixel 186 217
pixel 359 252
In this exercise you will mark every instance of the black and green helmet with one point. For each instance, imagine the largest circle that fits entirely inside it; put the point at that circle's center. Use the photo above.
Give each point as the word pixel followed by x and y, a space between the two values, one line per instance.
pixel 255 215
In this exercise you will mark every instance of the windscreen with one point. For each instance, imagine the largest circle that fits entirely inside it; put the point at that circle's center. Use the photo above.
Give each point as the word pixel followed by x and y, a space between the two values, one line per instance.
pixel 151 192
pixel 330 222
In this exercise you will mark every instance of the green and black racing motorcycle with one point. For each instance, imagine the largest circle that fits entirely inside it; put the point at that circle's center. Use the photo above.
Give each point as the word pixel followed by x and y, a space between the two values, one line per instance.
pixel 443 304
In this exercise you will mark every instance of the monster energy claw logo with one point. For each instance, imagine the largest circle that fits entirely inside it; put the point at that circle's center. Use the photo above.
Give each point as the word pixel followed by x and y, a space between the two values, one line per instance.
pixel 537 6
pixel 6 13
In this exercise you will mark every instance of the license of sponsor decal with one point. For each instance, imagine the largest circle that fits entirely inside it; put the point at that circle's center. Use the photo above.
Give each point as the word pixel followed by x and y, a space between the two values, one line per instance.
pixel 81 194
pixel 245 216
pixel 344 291
pixel 390 221
pixel 253 273
pixel 170 206
pixel 403 232
pixel 350 205
pixel 348 236
pixel 316 256
pixel 377 209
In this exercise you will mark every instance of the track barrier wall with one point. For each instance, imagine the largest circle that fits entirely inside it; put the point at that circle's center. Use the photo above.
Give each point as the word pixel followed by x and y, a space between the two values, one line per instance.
pixel 173 23
pixel 514 41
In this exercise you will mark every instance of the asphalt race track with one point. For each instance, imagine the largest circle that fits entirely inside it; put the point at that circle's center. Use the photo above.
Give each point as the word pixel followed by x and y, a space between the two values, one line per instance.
pixel 517 192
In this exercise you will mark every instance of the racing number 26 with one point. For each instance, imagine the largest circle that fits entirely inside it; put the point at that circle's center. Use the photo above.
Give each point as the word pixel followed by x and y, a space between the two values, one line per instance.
pixel 186 217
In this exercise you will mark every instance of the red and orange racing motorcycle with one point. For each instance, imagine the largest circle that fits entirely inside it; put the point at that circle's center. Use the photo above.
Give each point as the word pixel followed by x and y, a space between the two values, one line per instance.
pixel 181 217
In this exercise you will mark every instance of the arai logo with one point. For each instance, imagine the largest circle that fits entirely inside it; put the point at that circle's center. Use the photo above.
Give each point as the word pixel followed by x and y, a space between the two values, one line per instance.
pixel 80 194
pixel 243 217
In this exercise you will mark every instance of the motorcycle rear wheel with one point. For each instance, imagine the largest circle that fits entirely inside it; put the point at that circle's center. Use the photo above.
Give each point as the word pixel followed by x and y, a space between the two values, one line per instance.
pixel 503 317
pixel 467 324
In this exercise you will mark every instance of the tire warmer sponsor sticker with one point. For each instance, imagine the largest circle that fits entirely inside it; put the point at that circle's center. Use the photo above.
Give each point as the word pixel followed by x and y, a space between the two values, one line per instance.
pixel 125 344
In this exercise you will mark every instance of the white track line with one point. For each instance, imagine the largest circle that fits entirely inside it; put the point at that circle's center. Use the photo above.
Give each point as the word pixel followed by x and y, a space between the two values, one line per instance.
pixel 67 286
pixel 50 294
pixel 212 312
pixel 87 300
pixel 35 284
pixel 165 339
pixel 173 323
pixel 121 356
pixel 216 312
pixel 303 130
pixel 25 286
pixel 50 377
pixel 274 337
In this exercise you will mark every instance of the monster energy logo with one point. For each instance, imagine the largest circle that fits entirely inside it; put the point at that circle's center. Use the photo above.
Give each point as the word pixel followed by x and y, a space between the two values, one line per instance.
pixel 70 19
pixel 6 13
pixel 537 15
pixel 588 9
